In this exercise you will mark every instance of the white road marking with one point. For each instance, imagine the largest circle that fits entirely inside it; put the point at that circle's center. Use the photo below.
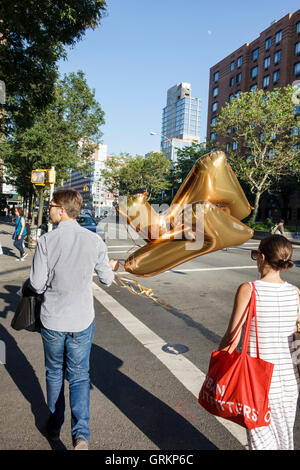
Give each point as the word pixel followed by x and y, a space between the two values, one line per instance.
pixel 175 271
pixel 184 370
pixel 120 246
pixel 220 268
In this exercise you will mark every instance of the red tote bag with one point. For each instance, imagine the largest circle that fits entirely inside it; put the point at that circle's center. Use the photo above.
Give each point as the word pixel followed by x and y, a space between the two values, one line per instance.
pixel 237 385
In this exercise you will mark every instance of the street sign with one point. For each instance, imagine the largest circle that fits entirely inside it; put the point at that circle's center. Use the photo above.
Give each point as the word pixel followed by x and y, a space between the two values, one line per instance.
pixel 38 177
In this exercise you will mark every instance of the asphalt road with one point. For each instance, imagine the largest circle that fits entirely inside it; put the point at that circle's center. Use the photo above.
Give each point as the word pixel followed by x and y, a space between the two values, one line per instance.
pixel 147 361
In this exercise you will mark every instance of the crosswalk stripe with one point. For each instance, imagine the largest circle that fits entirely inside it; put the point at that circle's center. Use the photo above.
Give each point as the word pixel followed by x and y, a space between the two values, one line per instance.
pixel 184 370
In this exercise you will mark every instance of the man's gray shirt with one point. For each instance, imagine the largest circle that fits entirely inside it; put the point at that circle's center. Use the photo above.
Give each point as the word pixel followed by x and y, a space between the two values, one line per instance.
pixel 62 269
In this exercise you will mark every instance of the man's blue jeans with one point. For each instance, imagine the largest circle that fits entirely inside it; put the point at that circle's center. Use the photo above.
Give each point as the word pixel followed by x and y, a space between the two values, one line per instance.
pixel 67 355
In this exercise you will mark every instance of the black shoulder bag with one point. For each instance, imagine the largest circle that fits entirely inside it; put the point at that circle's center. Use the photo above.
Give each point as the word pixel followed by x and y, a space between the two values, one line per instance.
pixel 27 315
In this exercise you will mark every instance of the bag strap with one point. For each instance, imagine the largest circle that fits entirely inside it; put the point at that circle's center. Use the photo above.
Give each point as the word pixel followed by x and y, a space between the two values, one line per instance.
pixel 251 313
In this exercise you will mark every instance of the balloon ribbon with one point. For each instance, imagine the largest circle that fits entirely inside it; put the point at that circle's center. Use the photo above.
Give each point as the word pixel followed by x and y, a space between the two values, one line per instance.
pixel 128 283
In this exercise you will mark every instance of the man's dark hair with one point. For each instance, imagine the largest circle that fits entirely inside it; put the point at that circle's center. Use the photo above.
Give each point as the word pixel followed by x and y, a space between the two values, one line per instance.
pixel 70 199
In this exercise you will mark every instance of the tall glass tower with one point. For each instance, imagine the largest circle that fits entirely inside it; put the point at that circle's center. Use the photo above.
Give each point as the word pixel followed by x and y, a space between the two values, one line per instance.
pixel 180 120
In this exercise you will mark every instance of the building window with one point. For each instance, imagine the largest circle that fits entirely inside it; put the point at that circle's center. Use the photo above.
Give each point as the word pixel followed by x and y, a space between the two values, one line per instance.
pixel 213 121
pixel 297 48
pixel 277 57
pixel 268 43
pixel 239 62
pixel 278 37
pixel 231 82
pixel 216 76
pixel 253 87
pixel 254 72
pixel 276 76
pixel 239 78
pixel 298 27
pixel 230 97
pixel 234 146
pixel 267 62
pixel 266 81
pixel 214 106
pixel 212 136
pixel 215 91
pixel 255 54
pixel 232 66
pixel 238 94
pixel 297 69
pixel 227 147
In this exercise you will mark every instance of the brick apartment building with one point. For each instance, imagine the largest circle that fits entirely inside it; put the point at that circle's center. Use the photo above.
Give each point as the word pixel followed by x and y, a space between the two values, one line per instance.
pixel 270 61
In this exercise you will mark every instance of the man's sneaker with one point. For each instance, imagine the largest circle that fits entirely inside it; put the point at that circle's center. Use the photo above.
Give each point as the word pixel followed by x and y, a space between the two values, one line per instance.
pixel 24 256
pixel 81 445
pixel 17 259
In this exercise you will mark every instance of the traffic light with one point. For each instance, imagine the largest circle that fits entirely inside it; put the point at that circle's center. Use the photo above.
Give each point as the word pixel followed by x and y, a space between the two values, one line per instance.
pixel 51 176
pixel 38 177
pixel 43 177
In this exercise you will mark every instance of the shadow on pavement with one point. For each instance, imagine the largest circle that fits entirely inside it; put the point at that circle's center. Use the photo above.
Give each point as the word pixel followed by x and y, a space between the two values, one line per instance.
pixel 159 422
pixel 11 299
pixel 9 252
pixel 23 375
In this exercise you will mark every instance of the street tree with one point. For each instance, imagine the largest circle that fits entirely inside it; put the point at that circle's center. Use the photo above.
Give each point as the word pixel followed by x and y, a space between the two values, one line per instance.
pixel 126 175
pixel 260 133
pixel 64 135
pixel 34 36
pixel 186 158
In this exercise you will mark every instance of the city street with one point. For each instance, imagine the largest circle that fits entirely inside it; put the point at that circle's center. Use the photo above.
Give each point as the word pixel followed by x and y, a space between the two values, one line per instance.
pixel 148 361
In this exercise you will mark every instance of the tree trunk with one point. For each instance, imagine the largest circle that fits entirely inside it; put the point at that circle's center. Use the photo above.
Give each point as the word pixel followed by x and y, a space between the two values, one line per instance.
pixel 256 207
pixel 33 212
pixel 41 207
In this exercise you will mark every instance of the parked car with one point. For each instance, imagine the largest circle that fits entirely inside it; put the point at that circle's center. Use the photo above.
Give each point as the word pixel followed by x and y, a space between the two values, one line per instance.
pixel 89 223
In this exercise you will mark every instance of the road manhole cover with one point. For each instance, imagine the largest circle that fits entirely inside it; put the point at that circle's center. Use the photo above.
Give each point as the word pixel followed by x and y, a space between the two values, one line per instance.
pixel 175 348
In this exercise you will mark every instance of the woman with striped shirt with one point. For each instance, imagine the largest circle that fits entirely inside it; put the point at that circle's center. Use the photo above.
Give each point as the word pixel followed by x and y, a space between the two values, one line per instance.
pixel 277 308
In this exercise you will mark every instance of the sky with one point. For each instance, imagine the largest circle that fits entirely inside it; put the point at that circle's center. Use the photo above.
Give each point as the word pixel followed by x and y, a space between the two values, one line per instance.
pixel 144 47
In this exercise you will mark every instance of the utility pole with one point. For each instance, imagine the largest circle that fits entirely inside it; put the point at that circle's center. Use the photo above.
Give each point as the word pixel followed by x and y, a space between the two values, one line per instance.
pixel 51 179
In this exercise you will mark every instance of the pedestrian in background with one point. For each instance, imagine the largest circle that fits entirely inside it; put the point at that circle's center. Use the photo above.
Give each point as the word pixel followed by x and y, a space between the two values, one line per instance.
pixel 20 232
pixel 277 306
pixel 62 269
pixel 278 229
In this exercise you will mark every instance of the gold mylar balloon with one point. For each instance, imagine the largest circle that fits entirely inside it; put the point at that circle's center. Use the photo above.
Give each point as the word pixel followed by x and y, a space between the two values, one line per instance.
pixel 204 217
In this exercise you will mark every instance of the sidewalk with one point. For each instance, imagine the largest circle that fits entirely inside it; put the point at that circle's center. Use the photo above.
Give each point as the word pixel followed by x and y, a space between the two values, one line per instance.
pixel 259 235
pixel 23 413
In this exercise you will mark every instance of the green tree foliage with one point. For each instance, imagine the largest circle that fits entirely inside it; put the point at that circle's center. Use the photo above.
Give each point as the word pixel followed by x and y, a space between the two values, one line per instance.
pixel 64 135
pixel 263 133
pixel 186 158
pixel 126 175
pixel 34 35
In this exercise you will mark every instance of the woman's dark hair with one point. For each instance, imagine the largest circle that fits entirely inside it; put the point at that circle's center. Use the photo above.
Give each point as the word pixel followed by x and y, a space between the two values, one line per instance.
pixel 278 252
pixel 20 210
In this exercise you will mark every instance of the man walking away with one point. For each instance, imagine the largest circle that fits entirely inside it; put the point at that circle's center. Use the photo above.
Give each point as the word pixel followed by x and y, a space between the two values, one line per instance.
pixel 62 269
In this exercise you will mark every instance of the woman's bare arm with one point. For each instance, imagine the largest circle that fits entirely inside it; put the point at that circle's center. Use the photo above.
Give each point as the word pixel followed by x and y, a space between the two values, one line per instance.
pixel 238 317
